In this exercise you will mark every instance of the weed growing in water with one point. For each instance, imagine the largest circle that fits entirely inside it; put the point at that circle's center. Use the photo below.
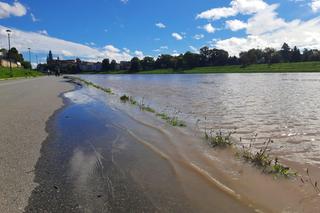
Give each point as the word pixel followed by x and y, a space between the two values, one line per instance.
pixel 124 98
pixel 312 182
pixel 218 139
pixel 173 121
pixel 88 83
pixel 262 159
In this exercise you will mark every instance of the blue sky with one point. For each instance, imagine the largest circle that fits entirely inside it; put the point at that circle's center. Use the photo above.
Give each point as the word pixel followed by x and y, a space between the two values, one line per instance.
pixel 122 29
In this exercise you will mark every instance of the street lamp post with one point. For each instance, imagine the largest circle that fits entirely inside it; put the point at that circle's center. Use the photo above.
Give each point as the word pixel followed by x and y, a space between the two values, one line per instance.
pixel 9 42
pixel 30 58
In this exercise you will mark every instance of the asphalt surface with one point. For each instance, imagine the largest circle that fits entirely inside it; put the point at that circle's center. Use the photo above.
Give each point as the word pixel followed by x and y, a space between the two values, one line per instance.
pixel 25 107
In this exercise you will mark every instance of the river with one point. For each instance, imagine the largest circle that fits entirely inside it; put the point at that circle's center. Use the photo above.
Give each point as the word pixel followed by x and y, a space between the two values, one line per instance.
pixel 284 106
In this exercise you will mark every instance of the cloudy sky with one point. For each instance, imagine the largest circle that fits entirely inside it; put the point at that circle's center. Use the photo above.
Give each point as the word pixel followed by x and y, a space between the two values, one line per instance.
pixel 121 29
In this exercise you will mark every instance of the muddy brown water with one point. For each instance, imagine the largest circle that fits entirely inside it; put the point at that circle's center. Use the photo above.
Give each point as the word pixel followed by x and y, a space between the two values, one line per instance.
pixel 94 161
pixel 106 156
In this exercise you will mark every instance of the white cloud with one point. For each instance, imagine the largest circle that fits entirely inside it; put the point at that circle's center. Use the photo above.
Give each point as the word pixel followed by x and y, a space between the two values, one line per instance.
pixel 161 49
pixel 177 36
pixel 16 9
pixel 198 36
pixel 33 18
pixel 139 54
pixel 217 13
pixel 194 49
pixel 112 52
pixel 236 25
pixel 160 25
pixel 301 34
pixel 266 20
pixel 315 5
pixel 265 28
pixel 67 53
pixel 209 28
pixel 43 32
pixel 40 43
pixel 124 1
pixel 246 7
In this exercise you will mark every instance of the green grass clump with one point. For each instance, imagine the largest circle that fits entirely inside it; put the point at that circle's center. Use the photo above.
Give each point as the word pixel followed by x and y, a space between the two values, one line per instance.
pixel 218 139
pixel 89 83
pixel 124 98
pixel 5 73
pixel 173 121
pixel 262 160
pixel 129 99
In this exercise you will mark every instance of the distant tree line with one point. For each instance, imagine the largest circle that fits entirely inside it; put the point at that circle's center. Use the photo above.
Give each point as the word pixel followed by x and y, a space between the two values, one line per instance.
pixel 217 57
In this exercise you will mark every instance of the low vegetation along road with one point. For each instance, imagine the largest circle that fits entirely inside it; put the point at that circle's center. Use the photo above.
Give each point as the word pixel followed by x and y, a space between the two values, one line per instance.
pixel 25 107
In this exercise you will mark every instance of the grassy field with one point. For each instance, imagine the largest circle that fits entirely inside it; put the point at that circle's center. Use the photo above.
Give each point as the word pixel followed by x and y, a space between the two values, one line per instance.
pixel 17 73
pixel 256 68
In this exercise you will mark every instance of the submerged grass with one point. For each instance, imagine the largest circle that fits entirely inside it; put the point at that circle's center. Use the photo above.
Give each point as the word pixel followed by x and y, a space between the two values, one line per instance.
pixel 260 158
pixel 89 83
pixel 263 160
pixel 173 121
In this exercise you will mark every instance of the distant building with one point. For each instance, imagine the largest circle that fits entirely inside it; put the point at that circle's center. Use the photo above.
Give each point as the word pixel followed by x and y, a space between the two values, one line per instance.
pixel 90 66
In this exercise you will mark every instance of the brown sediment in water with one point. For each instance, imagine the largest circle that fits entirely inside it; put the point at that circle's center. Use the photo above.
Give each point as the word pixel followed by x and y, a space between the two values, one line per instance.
pixel 215 178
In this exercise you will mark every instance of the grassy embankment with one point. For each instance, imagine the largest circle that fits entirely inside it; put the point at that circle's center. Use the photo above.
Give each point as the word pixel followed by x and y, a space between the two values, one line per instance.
pixel 255 68
pixel 5 73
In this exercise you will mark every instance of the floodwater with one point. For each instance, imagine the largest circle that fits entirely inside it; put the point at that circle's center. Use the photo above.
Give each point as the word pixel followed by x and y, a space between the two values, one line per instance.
pixel 106 156
pixel 283 107
pixel 98 159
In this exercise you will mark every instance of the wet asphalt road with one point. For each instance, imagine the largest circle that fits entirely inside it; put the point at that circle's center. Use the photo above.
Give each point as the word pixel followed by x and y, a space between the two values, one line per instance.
pixel 88 164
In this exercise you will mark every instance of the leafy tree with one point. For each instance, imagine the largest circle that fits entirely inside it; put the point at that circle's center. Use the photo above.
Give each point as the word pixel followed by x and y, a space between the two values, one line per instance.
pixel 14 55
pixel 205 55
pixel 285 52
pixel 148 63
pixel 135 64
pixel 105 65
pixel 295 55
pixel 218 57
pixel 164 62
pixel 191 60
pixel 26 65
pixel 113 65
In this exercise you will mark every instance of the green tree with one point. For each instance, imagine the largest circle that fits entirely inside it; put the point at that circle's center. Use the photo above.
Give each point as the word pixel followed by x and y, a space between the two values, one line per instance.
pixel 105 65
pixel 14 55
pixel 295 55
pixel 164 61
pixel 26 65
pixel 148 63
pixel 113 65
pixel 135 64
pixel 285 52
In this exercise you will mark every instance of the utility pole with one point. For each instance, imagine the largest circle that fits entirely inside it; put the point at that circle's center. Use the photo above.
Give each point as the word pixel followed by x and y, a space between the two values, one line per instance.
pixel 30 58
pixel 9 42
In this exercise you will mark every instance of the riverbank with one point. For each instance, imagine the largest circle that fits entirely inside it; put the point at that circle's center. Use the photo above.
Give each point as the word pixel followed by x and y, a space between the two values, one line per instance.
pixel 6 74
pixel 25 107
pixel 255 68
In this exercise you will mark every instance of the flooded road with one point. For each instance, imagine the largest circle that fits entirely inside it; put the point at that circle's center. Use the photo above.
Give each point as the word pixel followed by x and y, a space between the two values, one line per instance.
pixel 284 107
pixel 99 159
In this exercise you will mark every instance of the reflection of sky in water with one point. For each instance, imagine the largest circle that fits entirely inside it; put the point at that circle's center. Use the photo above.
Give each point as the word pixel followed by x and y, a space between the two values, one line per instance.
pixel 81 96
pixel 285 107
